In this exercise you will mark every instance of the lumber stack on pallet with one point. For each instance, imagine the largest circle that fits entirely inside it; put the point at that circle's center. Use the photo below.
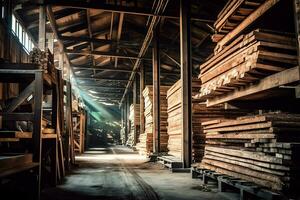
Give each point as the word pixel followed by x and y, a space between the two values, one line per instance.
pixel 145 145
pixel 175 117
pixel 246 60
pixel 233 13
pixel 134 117
pixel 201 113
pixel 264 149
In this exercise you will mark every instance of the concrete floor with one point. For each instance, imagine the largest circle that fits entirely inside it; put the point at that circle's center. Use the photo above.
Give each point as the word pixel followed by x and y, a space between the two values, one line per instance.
pixel 119 173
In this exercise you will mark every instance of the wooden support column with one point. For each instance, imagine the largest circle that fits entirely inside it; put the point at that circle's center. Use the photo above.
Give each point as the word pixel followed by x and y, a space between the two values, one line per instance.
pixel 186 82
pixel 126 119
pixel 69 130
pixel 54 121
pixel 37 126
pixel 134 102
pixel 128 113
pixel 297 27
pixel 42 28
pixel 50 42
pixel 142 86
pixel 156 93
pixel 8 19
pixel 122 121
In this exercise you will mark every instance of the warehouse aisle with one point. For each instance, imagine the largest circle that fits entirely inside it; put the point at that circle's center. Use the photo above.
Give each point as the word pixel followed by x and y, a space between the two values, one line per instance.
pixel 119 173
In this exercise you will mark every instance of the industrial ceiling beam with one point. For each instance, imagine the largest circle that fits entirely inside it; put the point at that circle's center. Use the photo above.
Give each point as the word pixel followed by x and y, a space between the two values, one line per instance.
pixel 96 87
pixel 146 43
pixel 100 41
pixel 105 7
pixel 101 79
pixel 116 9
pixel 88 20
pixel 102 69
pixel 104 54
pixel 119 32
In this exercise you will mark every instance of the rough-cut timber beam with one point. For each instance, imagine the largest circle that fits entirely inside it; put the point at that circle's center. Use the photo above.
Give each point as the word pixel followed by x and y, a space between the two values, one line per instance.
pixel 142 86
pixel 119 33
pixel 88 20
pixel 104 54
pixel 104 7
pixel 100 41
pixel 297 27
pixel 102 69
pixel 97 87
pixel 146 43
pixel 166 73
pixel 134 102
pixel 156 92
pixel 282 78
pixel 115 9
pixel 248 21
pixel 42 28
pixel 101 79
pixel 107 94
pixel 186 81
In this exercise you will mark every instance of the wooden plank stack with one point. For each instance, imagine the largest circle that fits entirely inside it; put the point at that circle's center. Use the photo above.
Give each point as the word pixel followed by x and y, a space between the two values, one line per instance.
pixel 175 117
pixel 246 60
pixel 134 117
pixel 45 59
pixel 233 13
pixel 145 145
pixel 201 114
pixel 264 149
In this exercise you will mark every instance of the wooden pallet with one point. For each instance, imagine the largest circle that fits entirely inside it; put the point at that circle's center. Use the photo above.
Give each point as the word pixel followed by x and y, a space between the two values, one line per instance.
pixel 225 183
pixel 263 149
pixel 170 162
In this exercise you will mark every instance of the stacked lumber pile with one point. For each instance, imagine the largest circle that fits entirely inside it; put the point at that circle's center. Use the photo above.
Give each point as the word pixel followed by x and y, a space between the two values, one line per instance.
pixel 134 118
pixel 122 134
pixel 246 60
pixel 43 58
pixel 145 145
pixel 175 117
pixel 233 13
pixel 264 149
pixel 201 114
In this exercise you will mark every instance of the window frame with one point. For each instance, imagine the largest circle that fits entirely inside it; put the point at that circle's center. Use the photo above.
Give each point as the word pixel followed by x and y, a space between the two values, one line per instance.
pixel 21 34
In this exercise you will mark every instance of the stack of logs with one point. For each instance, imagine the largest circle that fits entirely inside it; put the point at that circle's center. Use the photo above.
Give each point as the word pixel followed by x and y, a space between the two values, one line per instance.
pixel 200 114
pixel 247 59
pixel 134 118
pixel 145 145
pixel 44 58
pixel 264 149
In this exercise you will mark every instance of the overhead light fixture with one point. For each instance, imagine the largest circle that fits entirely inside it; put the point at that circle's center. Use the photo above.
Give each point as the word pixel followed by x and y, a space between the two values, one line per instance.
pixel 93 92
pixel 93 96
pixel 108 104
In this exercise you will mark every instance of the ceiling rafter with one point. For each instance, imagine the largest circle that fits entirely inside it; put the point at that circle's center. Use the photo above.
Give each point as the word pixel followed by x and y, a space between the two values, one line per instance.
pixel 102 69
pixel 119 9
pixel 104 54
